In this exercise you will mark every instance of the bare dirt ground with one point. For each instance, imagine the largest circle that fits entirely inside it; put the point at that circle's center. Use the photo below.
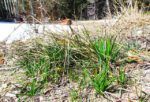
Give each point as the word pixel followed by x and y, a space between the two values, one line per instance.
pixel 140 89
pixel 139 73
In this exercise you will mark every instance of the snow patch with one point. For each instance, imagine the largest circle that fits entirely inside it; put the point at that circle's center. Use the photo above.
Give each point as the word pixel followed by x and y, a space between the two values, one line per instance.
pixel 10 32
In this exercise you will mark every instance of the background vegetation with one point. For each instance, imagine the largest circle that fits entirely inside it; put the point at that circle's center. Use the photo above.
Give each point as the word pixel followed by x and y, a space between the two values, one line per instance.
pixel 74 9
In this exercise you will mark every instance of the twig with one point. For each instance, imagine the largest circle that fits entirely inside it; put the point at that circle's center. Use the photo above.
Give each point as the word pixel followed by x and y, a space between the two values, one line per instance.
pixel 9 68
pixel 124 89
pixel 110 94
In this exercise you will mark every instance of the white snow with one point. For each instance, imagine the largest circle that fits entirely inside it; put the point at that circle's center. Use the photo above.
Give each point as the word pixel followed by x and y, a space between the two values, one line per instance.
pixel 10 32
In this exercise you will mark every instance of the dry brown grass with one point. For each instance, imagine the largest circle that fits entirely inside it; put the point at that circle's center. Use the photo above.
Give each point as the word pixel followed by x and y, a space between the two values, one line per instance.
pixel 123 23
pixel 1 58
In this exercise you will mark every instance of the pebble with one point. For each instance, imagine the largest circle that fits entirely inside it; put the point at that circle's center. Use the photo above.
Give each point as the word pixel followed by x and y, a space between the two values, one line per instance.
pixel 15 92
pixel 10 95
pixel 146 90
pixel 3 86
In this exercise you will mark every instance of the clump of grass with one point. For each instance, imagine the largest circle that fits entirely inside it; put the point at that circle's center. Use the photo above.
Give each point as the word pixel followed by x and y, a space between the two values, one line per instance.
pixel 122 78
pixel 101 81
pixel 48 61
pixel 106 49
pixel 32 88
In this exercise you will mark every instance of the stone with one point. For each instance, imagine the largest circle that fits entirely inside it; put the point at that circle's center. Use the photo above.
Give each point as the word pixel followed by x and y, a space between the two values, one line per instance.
pixel 10 95
pixel 146 90
pixel 3 86
pixel 15 92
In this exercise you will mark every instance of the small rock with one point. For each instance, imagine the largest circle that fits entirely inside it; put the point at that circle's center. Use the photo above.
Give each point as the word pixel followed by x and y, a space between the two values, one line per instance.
pixel 65 95
pixel 15 92
pixel 146 90
pixel 58 92
pixel 41 98
pixel 3 86
pixel 10 95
